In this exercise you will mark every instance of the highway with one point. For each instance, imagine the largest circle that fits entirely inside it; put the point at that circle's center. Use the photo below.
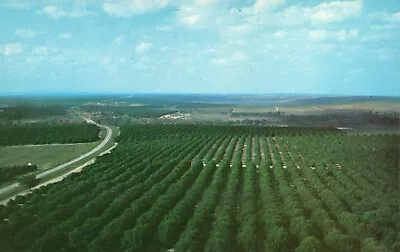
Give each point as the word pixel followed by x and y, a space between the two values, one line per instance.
pixel 62 166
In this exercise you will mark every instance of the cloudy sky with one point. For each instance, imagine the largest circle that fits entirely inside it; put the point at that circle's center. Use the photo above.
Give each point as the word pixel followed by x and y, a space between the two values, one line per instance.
pixel 200 46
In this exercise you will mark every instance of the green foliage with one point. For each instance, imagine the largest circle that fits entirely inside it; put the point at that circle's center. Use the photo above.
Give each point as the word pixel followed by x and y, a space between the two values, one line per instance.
pixel 10 173
pixel 300 227
pixel 277 239
pixel 225 225
pixel 47 134
pixel 248 218
pixel 24 111
pixel 192 239
pixel 310 244
pixel 370 245
pixel 29 180
pixel 217 188
pixel 174 222
pixel 340 242
pixel 396 246
pixel 137 238
pixel 131 111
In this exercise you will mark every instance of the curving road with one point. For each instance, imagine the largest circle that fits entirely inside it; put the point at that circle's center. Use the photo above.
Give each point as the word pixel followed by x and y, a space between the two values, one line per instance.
pixel 62 166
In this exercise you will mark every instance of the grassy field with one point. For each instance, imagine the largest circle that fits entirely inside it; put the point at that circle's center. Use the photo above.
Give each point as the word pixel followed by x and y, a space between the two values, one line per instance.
pixel 379 106
pixel 44 156
pixel 373 131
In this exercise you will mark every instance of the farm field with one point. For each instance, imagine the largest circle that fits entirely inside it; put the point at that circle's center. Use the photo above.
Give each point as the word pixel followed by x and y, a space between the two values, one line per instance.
pixel 219 188
pixel 44 156
pixel 277 110
pixel 317 109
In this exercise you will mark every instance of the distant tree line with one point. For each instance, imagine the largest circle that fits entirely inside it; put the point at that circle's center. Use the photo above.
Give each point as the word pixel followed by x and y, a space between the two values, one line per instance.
pixel 131 111
pixel 23 111
pixel 29 180
pixel 257 114
pixel 11 172
pixel 347 119
pixel 47 134
pixel 333 119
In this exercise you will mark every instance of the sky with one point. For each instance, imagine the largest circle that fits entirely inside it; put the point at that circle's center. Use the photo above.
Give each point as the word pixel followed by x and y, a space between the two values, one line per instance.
pixel 343 47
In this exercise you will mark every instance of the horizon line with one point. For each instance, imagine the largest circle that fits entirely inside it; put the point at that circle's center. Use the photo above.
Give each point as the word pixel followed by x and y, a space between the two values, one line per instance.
pixel 88 93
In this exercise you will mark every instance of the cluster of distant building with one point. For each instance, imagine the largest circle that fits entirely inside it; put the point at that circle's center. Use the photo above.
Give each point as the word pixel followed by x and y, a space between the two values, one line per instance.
pixel 174 116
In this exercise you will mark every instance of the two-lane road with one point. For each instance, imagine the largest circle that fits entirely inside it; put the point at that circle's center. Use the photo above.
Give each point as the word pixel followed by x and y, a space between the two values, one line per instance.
pixel 62 166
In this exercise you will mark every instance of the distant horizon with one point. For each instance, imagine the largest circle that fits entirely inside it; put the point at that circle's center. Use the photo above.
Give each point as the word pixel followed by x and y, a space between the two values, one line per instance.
pixel 76 94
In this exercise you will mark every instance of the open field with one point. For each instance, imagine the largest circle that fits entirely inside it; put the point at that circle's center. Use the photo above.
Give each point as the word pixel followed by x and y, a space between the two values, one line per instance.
pixel 377 106
pixel 373 131
pixel 44 156
pixel 12 190
pixel 273 110
pixel 219 188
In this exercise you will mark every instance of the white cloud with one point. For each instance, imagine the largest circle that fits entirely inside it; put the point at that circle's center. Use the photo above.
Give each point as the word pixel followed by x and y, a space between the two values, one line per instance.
pixel 235 30
pixel 122 61
pixel 190 20
pixel 205 2
pixel 189 12
pixel 28 4
pixel 211 50
pixel 344 35
pixel 340 35
pixel 317 35
pixel 118 40
pixel 143 47
pixel 163 27
pixel 109 65
pixel 33 60
pixel 263 5
pixel 235 57
pixel 17 4
pixel 239 56
pixel 84 2
pixel 328 12
pixel 393 17
pixel 280 34
pixel 377 36
pixel 56 12
pixel 25 33
pixel 199 13
pixel 245 22
pixel 385 54
pixel 64 36
pixel 128 8
pixel 324 48
pixel 12 49
pixel 219 61
pixel 182 61
pixel 40 50
pixel 164 49
pixel 106 61
pixel 385 27
pixel 335 11
pixel 143 63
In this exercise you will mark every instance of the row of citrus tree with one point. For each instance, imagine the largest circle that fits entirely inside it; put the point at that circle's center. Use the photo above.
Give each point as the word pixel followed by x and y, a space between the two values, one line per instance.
pixel 196 187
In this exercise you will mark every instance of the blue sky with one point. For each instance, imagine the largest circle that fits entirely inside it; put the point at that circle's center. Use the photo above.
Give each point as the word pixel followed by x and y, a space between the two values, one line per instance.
pixel 200 46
